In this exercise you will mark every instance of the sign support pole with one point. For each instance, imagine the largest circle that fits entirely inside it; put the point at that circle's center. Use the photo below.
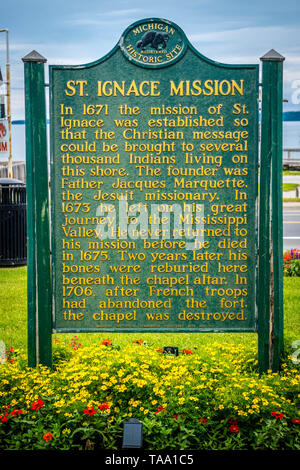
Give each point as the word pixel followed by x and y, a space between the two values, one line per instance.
pixel 270 290
pixel 38 241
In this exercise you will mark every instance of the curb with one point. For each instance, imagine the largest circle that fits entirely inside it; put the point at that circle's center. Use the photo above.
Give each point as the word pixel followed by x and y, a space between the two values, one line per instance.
pixel 291 205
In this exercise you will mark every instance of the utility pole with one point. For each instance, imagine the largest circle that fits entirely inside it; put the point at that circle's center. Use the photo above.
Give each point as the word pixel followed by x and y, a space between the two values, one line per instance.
pixel 10 171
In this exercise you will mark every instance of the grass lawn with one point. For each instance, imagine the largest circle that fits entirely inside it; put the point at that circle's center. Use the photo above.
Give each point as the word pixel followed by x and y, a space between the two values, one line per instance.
pixel 13 321
pixel 289 186
pixel 291 172
pixel 291 199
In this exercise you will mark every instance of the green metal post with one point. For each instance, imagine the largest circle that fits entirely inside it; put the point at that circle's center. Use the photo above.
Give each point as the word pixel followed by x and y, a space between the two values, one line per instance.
pixel 270 295
pixel 38 241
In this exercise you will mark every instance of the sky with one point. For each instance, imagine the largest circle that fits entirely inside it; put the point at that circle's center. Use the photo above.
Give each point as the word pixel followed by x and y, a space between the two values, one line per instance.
pixel 78 32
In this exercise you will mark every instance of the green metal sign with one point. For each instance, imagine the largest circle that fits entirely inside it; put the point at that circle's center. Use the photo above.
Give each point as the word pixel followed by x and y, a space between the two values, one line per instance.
pixel 154 189
pixel 177 141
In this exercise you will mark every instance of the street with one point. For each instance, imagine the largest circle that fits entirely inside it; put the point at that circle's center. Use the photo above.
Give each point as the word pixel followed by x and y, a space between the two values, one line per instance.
pixel 291 229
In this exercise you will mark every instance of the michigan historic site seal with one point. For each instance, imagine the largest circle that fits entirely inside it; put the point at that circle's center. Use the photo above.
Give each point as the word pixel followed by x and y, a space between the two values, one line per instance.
pixel 153 42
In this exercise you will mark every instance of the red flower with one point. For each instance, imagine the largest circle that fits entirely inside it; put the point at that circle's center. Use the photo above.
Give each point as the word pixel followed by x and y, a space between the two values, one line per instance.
pixel 159 350
pixel 75 343
pixel 295 421
pixel 104 406
pixel 161 408
pixel 48 436
pixel 90 411
pixel 36 405
pixel 177 416
pixel 138 341
pixel 234 428
pixel 16 413
pixel 202 420
pixel 4 417
pixel 187 351
pixel 107 342
pixel 277 414
pixel 233 421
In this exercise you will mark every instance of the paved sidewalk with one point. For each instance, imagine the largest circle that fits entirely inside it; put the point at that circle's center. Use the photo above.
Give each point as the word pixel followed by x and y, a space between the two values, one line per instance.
pixel 291 179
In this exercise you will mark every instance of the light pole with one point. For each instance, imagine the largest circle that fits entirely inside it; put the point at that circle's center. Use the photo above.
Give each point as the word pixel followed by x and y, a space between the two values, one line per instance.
pixel 8 103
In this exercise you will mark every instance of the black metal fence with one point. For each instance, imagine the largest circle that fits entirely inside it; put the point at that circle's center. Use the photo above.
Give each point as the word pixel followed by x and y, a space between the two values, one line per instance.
pixel 13 250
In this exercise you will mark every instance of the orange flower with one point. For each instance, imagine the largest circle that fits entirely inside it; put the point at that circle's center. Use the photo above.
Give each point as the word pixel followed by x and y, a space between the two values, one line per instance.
pixel 138 341
pixel 104 406
pixel 107 342
pixel 187 351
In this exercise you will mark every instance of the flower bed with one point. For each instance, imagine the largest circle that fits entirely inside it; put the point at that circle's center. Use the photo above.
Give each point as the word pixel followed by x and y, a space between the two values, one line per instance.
pixel 291 262
pixel 208 398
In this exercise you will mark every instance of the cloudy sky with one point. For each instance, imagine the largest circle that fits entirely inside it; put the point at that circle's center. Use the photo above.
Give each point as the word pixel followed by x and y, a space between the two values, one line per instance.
pixel 77 32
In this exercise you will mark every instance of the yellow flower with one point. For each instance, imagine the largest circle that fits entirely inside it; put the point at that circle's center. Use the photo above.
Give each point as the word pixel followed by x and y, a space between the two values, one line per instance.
pixel 66 431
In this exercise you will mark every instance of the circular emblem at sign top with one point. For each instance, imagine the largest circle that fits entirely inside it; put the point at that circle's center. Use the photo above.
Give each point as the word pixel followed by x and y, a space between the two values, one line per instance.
pixel 153 43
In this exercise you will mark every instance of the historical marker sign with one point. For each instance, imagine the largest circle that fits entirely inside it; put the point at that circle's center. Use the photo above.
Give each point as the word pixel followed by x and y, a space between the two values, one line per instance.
pixel 154 187
pixel 154 157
